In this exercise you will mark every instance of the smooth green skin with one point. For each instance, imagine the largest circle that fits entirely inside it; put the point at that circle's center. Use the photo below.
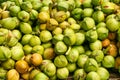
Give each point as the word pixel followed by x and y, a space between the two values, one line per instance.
pixel 33 14
pixel 77 13
pixel 98 55
pixel 63 6
pixel 17 34
pixel 53 77
pixel 41 76
pixel 47 45
pixel 5 53
pixel 98 16
pixel 75 27
pixel 71 67
pixel 96 2
pixel 27 6
pixel 101 24
pixel 14 10
pixel 87 23
pixel 17 53
pixel 60 48
pixel 93 76
pixel 108 61
pixel 34 40
pixel 24 16
pixel 90 65
pixel 109 9
pixel 80 38
pixel 97 45
pixel 60 61
pixel 38 49
pixel 27 49
pixel 9 23
pixel 71 20
pixel 116 1
pixel 47 2
pixel 87 3
pixel 36 4
pixel 72 55
pixel 103 73
pixel 87 12
pixel 62 73
pixel 88 52
pixel 91 35
pixel 26 38
pixel 45 36
pixel 79 74
pixel 102 33
pixel 112 25
pixel 82 60
pixel 50 69
pixel 25 28
pixel 57 37
pixel 60 16
pixel 80 49
pixel 3 73
pixel 68 31
pixel 8 64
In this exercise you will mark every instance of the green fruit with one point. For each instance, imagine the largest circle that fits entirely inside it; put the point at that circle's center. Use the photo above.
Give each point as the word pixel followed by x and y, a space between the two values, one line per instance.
pixel 5 53
pixel 60 47
pixel 33 73
pixel 93 76
pixel 34 40
pixel 8 64
pixel 9 23
pixel 25 28
pixel 62 73
pixel 71 67
pixel 98 16
pixel 91 65
pixel 26 38
pixel 72 55
pixel 79 74
pixel 77 13
pixel 60 61
pixel 87 12
pixel 17 53
pixel 103 73
pixel 45 36
pixel 98 55
pixel 108 61
pixel 114 26
pixel 87 3
pixel 27 49
pixel 41 76
pixel 102 33
pixel 49 53
pixel 24 16
pixel 26 5
pixel 33 14
pixel 38 49
pixel 14 10
pixel 91 35
pixel 82 60
pixel 97 45
pixel 88 23
pixel 56 38
pixel 50 69
pixel 80 49
pixel 63 6
pixel 3 73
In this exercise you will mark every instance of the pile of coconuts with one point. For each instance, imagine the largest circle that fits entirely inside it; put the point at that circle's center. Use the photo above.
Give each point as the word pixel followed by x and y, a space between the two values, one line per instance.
pixel 59 39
